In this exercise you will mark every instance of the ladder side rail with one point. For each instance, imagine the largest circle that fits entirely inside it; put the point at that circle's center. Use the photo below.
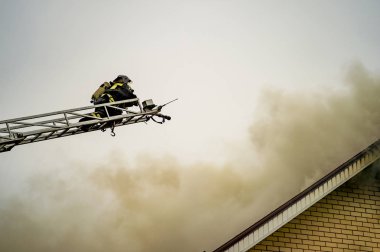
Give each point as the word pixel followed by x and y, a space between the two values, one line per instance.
pixel 69 110
pixel 114 118
pixel 40 137
pixel 65 121
pixel 49 135
pixel 122 109
pixel 76 132
pixel 66 128
pixel 138 120
pixel 117 108
pixel 96 120
pixel 37 125
pixel 57 120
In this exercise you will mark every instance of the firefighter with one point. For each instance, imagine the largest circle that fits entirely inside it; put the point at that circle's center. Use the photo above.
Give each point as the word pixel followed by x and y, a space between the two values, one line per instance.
pixel 116 90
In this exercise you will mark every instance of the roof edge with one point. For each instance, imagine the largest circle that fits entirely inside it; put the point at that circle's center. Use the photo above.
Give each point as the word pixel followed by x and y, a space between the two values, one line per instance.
pixel 372 149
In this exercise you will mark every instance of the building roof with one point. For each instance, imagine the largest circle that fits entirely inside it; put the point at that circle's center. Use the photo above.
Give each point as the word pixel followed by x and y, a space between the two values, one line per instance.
pixel 301 202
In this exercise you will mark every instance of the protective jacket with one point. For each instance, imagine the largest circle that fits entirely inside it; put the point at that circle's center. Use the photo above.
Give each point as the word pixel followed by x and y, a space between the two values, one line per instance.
pixel 120 91
pixel 111 92
pixel 116 91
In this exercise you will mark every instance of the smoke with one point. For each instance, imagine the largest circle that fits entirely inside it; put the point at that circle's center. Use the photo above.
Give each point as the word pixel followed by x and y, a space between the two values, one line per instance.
pixel 306 135
pixel 161 205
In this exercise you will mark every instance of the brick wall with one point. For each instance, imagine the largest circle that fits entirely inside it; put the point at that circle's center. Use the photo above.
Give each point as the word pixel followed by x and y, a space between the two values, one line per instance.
pixel 348 219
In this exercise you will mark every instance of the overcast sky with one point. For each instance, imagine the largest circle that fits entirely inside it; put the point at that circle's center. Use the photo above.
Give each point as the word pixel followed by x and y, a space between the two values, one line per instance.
pixel 212 55
pixel 215 56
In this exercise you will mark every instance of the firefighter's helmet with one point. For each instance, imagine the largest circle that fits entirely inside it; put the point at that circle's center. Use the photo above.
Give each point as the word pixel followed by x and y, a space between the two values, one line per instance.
pixel 123 79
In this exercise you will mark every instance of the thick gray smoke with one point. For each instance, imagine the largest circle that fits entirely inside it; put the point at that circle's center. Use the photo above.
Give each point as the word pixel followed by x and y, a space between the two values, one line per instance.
pixel 305 135
pixel 161 205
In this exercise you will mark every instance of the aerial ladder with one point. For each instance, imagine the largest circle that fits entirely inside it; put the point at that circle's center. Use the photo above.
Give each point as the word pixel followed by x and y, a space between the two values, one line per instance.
pixel 47 126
